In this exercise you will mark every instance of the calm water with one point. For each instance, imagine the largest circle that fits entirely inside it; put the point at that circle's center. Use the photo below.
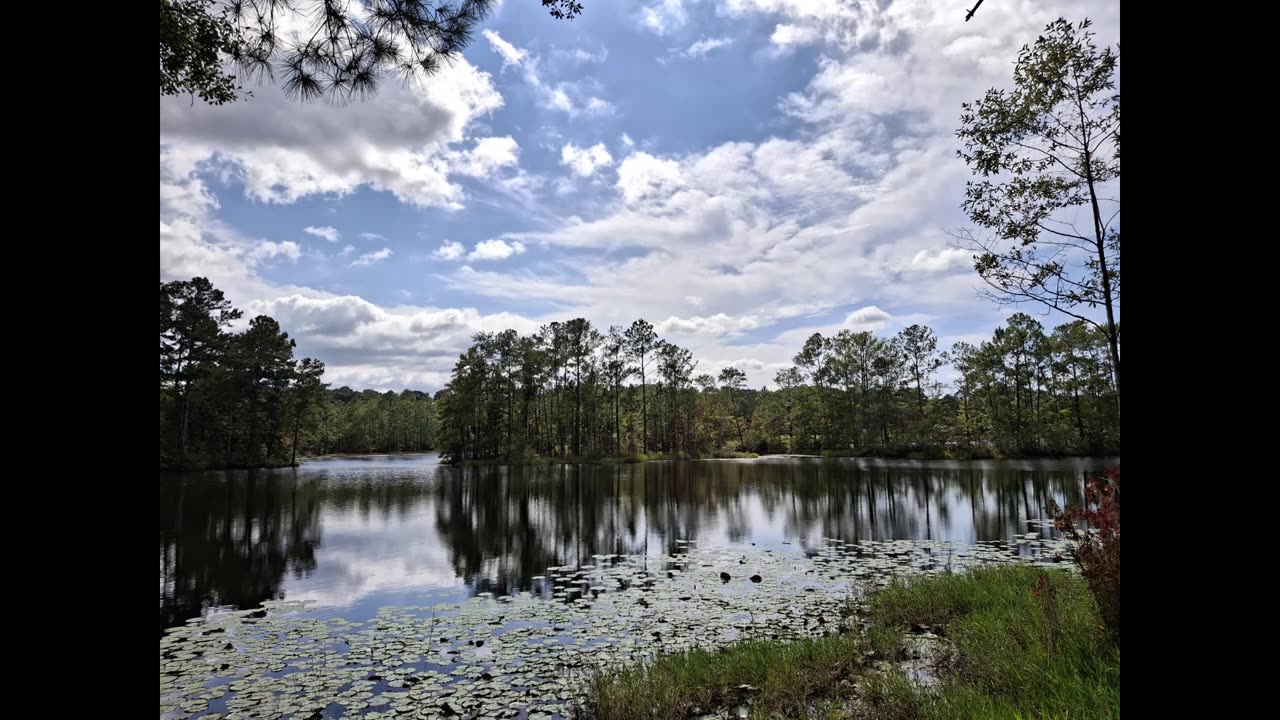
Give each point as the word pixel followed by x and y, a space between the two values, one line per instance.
pixel 356 534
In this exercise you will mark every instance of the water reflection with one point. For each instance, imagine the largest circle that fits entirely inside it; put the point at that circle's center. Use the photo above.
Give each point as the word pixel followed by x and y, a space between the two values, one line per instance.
pixel 342 531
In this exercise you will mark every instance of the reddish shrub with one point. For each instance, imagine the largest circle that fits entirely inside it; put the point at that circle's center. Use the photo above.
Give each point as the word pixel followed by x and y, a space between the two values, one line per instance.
pixel 1095 528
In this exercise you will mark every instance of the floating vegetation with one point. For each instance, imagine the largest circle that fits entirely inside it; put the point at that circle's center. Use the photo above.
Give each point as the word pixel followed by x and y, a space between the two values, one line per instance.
pixel 525 656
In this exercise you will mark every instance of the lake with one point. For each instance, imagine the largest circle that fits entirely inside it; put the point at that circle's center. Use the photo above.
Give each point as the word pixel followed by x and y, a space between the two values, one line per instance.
pixel 393 587
pixel 352 535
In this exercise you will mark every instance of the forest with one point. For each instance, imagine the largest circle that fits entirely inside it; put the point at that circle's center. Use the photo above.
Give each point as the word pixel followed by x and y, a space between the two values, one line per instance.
pixel 240 399
pixel 572 391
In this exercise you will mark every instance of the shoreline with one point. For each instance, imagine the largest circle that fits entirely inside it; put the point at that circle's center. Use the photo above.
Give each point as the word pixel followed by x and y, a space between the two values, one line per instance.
pixel 651 457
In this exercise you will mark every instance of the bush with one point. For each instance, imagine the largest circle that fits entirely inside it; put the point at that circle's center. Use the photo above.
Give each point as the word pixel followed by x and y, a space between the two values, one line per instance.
pixel 1098 543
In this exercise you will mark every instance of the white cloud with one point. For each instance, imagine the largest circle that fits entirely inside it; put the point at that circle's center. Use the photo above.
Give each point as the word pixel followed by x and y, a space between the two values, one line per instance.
pixel 371 236
pixel 567 97
pixel 790 36
pixel 718 324
pixel 706 45
pixel 642 175
pixel 598 106
pixel 347 250
pixel 370 258
pixel 867 318
pixel 941 261
pixel 327 233
pixel 449 250
pixel 664 16
pixel 282 150
pixel 837 222
pixel 266 250
pixel 581 55
pixel 487 157
pixel 495 250
pixel 585 161
pixel 511 55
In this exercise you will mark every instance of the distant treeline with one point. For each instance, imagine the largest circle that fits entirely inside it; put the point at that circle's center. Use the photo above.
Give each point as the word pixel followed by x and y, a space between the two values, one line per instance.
pixel 571 390
pixel 240 399
pixel 351 421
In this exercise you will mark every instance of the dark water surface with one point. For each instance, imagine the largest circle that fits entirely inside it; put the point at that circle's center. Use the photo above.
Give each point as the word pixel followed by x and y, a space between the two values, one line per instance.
pixel 355 534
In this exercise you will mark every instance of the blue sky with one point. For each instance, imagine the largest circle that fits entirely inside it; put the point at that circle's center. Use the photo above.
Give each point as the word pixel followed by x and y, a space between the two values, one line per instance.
pixel 741 173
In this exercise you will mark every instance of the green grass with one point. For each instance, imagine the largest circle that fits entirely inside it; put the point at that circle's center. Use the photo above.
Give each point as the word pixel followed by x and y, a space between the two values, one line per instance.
pixel 785 680
pixel 1016 655
pixel 1013 654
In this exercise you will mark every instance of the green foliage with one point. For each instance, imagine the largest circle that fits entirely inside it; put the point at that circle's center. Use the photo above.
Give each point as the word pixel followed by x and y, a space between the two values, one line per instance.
pixel 365 422
pixel 1044 153
pixel 780 680
pixel 228 399
pixel 193 42
pixel 1026 642
pixel 350 50
pixel 564 393
pixel 1020 642
pixel 1096 530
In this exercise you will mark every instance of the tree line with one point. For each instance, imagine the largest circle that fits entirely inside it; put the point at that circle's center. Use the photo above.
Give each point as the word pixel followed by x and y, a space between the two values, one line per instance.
pixel 240 399
pixel 570 390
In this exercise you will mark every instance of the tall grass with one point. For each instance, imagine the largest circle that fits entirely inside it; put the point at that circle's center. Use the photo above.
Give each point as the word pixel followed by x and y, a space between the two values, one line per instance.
pixel 1024 643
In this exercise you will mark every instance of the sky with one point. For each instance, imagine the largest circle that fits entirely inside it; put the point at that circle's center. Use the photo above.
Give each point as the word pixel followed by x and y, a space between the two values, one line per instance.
pixel 740 173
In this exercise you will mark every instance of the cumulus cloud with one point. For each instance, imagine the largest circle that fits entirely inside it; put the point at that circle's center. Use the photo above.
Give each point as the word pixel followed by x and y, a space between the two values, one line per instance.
pixel 327 233
pixel 449 250
pixel 867 318
pixel 486 157
pixel 834 222
pixel 585 161
pixel 397 142
pixel 495 250
pixel 941 261
pixel 718 324
pixel 642 175
pixel 664 16
pixel 786 37
pixel 266 250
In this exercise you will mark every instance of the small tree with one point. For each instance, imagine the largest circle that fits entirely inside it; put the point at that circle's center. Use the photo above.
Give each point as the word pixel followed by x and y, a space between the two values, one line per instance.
pixel 1048 146
pixel 1097 542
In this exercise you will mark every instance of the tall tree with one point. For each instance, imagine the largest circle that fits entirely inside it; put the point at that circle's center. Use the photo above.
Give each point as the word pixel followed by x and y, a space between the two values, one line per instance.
pixel 921 348
pixel 676 365
pixel 262 359
pixel 193 314
pixel 734 380
pixel 583 341
pixel 1050 145
pixel 641 340
pixel 616 370
pixel 308 394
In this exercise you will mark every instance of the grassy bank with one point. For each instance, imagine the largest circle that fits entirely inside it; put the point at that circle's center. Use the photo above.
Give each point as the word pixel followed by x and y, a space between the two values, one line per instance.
pixel 601 459
pixel 1012 646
